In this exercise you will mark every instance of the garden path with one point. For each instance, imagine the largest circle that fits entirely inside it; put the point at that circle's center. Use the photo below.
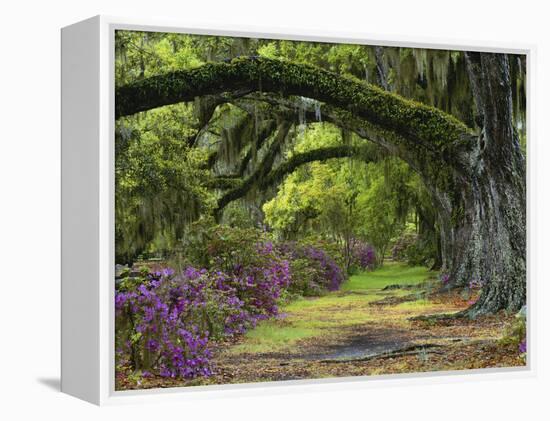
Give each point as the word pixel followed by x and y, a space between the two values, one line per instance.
pixel 367 327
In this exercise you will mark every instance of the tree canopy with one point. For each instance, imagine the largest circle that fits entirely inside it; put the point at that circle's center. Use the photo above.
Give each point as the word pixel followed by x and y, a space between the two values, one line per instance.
pixel 203 122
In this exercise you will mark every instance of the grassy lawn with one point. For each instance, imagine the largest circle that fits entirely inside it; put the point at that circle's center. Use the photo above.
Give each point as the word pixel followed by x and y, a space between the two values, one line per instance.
pixel 390 273
pixel 326 316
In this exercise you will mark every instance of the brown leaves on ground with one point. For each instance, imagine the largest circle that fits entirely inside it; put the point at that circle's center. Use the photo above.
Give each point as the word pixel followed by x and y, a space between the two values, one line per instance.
pixel 438 344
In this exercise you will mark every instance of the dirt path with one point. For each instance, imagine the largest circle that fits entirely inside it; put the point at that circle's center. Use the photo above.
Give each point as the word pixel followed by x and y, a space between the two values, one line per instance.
pixel 366 328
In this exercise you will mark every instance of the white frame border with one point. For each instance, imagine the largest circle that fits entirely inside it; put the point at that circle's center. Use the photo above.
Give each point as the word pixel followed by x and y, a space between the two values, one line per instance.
pixel 107 394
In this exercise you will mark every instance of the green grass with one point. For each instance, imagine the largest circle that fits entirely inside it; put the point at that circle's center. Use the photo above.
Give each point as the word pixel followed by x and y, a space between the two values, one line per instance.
pixel 390 273
pixel 331 301
pixel 307 318
pixel 272 336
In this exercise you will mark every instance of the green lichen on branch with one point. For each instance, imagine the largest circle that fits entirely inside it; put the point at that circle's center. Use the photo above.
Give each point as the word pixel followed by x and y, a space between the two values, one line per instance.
pixel 411 120
pixel 224 183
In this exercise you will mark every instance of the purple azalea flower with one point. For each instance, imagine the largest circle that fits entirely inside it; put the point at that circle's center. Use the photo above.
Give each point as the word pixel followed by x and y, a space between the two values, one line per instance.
pixel 523 346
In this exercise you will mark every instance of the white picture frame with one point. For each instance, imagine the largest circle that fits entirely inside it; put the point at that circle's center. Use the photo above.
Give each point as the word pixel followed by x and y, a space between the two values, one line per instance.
pixel 88 214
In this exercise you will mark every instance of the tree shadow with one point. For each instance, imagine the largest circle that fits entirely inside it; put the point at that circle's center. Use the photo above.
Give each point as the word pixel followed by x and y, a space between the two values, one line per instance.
pixel 54 383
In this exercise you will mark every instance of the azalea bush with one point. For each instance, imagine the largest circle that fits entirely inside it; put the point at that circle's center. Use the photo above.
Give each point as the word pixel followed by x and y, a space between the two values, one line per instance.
pixel 315 264
pixel 364 256
pixel 166 323
pixel 167 319
pixel 401 246
pixel 159 325
pixel 313 269
pixel 416 250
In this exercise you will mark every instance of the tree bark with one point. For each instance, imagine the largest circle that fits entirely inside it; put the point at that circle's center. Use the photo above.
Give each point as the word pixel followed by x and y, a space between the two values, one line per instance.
pixel 484 221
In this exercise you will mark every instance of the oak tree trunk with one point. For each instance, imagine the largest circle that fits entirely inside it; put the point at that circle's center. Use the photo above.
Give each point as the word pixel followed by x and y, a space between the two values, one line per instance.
pixel 483 218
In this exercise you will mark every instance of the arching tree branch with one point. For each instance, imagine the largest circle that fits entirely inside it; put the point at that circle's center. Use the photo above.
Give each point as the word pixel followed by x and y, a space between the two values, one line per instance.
pixel 260 172
pixel 366 153
pixel 415 122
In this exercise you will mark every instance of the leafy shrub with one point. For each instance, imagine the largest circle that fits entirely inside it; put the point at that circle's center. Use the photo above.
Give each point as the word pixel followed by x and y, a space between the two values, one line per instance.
pixel 165 319
pixel 364 255
pixel 232 247
pixel 421 253
pixel 313 269
pixel 314 264
pixel 165 323
pixel 402 245
pixel 516 333
pixel 305 276
pixel 414 249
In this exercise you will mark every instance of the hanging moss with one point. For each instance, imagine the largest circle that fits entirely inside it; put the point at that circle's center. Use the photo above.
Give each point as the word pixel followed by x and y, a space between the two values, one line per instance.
pixel 519 100
pixel 264 177
pixel 415 122
pixel 422 135
pixel 267 128
pixel 234 137
pixel 434 77
pixel 224 183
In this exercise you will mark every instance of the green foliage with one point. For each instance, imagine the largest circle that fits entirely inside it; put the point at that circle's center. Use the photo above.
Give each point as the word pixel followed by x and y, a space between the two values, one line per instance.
pixel 207 244
pixel 159 185
pixel 229 247
pixel 422 252
pixel 125 282
pixel 516 332
pixel 238 215
pixel 319 197
pixel 379 209
pixel 344 199
pixel 302 194
pixel 175 162
pixel 414 249
pixel 406 240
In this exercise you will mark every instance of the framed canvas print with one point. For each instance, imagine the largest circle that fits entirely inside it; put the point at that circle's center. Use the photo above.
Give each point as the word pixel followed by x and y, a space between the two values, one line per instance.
pixel 245 209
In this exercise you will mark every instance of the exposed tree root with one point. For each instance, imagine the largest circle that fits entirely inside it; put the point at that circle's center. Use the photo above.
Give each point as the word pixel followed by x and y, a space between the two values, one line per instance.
pixel 410 350
pixel 392 300
pixel 444 316
pixel 401 286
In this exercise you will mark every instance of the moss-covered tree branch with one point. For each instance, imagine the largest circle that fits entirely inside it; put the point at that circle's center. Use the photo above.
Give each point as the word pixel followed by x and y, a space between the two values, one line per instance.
pixel 412 121
pixel 272 177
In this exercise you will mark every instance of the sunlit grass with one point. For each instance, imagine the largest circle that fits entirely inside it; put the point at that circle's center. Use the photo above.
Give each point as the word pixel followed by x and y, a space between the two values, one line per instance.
pixel 271 336
pixel 306 319
pixel 390 273
pixel 333 300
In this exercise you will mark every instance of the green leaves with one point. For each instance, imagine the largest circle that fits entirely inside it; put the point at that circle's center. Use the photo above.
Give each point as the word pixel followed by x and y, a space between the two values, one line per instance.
pixel 176 143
